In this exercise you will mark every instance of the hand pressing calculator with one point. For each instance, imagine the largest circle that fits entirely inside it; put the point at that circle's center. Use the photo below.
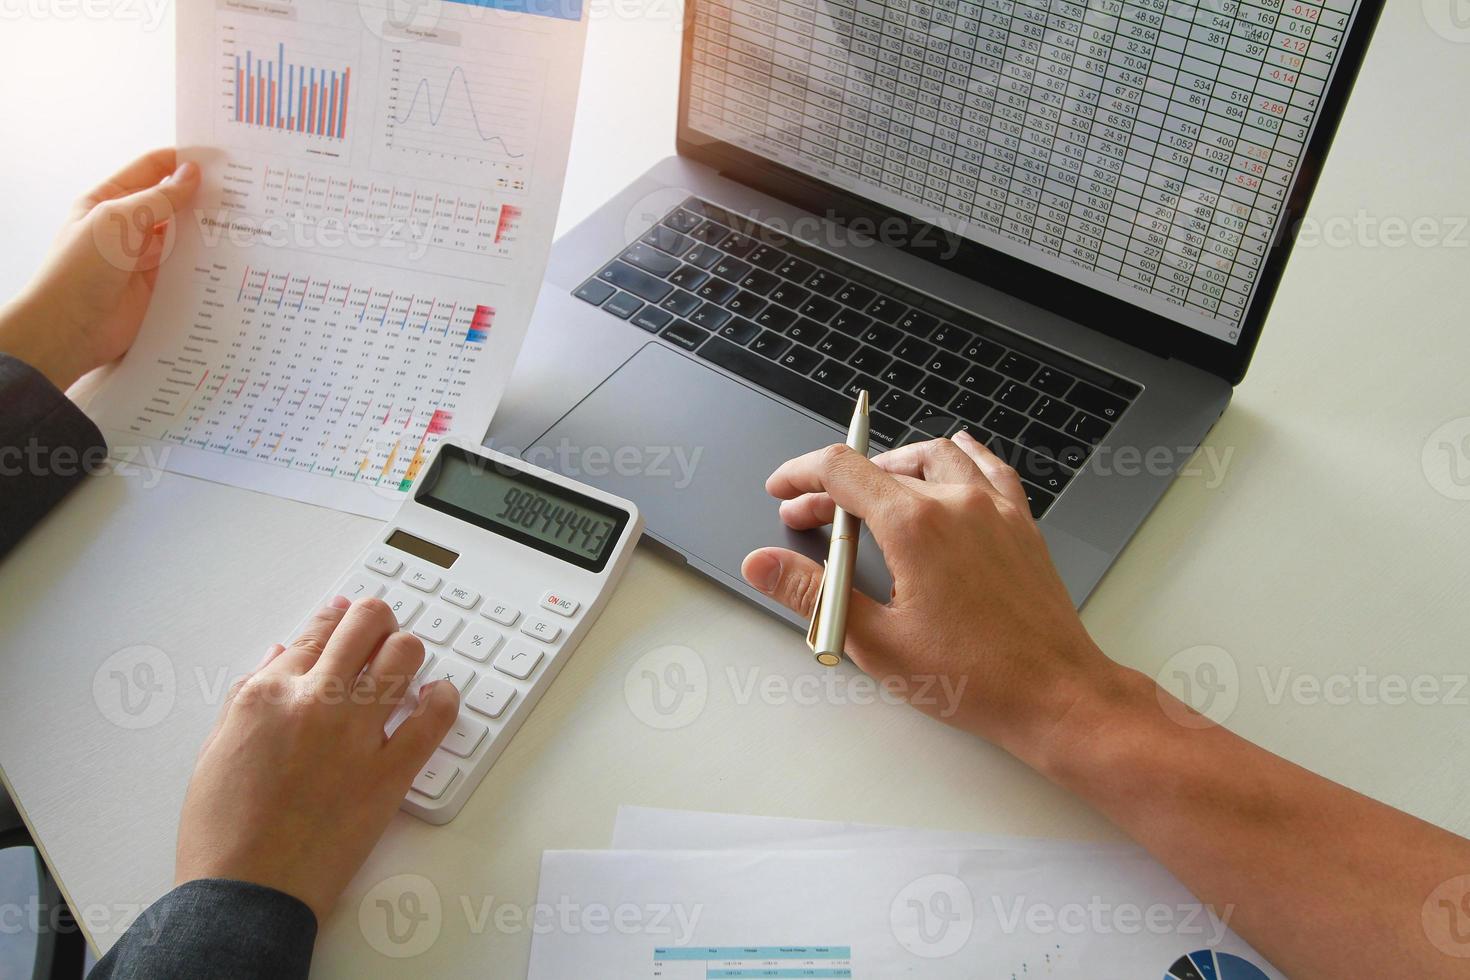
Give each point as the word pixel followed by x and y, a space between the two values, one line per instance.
pixel 500 568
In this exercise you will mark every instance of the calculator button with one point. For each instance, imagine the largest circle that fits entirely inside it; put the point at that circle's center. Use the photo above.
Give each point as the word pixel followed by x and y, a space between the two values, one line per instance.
pixel 436 776
pixel 459 595
pixel 460 675
pixel 518 661
pixel 541 630
pixel 477 643
pixel 383 563
pixel 464 737
pixel 422 580
pixel 491 697
pixel 437 625
pixel 501 613
pixel 405 605
pixel 559 604
pixel 361 585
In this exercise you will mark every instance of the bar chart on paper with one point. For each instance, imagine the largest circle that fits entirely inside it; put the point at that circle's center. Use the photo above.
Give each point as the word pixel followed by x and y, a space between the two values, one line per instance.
pixel 285 84
pixel 294 98
pixel 327 377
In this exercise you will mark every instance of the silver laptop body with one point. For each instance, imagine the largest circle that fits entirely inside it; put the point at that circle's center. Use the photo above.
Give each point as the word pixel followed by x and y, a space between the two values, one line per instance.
pixel 623 385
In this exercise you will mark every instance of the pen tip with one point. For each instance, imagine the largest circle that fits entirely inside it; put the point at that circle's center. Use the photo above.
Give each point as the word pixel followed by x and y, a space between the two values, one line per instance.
pixel 862 401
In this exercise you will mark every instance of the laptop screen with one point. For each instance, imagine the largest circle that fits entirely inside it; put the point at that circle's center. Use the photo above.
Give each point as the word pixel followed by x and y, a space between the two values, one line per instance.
pixel 1143 148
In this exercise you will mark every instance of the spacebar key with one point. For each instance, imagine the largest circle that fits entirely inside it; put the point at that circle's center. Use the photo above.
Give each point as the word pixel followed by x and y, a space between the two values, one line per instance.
pixel 777 380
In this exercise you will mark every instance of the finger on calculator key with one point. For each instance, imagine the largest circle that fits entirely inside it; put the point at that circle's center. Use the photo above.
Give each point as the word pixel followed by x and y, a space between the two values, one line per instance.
pixel 386 682
pixel 302 653
pixel 357 638
pixel 421 732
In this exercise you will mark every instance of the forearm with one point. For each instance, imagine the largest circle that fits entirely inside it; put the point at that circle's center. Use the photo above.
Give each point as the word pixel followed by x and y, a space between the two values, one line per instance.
pixel 1322 880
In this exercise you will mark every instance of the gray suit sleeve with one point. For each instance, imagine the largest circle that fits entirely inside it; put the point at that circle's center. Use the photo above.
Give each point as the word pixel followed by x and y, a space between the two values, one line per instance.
pixel 46 447
pixel 215 928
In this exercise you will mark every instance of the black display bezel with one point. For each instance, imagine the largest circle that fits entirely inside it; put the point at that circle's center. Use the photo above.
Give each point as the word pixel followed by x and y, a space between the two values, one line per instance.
pixel 617 515
pixel 1049 290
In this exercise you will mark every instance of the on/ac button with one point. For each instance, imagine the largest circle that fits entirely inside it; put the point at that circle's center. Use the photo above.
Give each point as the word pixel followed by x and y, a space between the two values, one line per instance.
pixel 560 604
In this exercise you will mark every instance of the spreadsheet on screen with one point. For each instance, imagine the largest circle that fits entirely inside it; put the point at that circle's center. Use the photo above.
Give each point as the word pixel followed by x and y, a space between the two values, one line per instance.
pixel 1144 148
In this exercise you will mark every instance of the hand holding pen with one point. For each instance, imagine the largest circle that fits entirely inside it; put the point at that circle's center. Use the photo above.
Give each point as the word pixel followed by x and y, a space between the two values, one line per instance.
pixel 828 632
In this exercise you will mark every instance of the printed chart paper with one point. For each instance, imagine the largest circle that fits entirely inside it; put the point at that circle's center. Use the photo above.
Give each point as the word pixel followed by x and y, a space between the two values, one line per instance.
pixel 873 914
pixel 356 277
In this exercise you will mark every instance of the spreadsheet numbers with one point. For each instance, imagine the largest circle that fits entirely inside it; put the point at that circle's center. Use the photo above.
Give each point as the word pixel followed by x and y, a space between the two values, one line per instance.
pixel 1145 148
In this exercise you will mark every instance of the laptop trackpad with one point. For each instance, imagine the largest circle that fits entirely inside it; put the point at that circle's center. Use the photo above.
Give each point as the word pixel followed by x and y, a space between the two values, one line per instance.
pixel 692 448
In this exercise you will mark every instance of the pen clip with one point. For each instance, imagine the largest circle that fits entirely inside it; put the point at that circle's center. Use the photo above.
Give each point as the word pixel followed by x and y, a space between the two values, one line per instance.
pixel 811 633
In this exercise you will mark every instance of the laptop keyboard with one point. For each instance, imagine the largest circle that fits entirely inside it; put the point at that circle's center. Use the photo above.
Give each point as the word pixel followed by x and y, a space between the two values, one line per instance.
pixel 815 329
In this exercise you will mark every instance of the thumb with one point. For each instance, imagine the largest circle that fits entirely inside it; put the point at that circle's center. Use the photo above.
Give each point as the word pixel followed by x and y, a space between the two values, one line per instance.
pixel 125 226
pixel 420 734
pixel 169 196
pixel 794 581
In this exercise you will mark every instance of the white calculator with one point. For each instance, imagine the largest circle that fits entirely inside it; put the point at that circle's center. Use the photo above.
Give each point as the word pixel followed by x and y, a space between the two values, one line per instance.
pixel 500 568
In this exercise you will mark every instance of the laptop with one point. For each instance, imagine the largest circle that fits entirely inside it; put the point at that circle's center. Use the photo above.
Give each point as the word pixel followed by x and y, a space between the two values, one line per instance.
pixel 1056 225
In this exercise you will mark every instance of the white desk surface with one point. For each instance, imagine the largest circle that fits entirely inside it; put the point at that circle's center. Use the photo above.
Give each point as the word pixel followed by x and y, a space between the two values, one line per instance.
pixel 1326 551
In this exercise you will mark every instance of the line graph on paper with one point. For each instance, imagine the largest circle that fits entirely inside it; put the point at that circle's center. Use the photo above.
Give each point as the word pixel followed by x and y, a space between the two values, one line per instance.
pixel 329 377
pixel 440 104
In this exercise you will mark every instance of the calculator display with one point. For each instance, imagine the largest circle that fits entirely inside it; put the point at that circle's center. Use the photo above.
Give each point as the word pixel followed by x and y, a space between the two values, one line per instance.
pixel 533 511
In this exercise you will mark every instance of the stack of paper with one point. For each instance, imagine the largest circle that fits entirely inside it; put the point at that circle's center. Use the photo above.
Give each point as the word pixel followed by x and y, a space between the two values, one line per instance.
pixel 694 895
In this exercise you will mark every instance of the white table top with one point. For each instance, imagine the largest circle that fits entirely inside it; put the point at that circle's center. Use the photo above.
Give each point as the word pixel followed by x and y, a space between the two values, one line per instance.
pixel 1329 549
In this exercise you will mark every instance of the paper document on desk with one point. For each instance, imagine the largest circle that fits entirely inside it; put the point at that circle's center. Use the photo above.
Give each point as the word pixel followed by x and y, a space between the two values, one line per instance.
pixel 356 277
pixel 875 913
pixel 656 829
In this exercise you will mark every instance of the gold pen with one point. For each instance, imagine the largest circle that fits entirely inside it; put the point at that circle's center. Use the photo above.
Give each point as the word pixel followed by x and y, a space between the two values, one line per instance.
pixel 828 632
